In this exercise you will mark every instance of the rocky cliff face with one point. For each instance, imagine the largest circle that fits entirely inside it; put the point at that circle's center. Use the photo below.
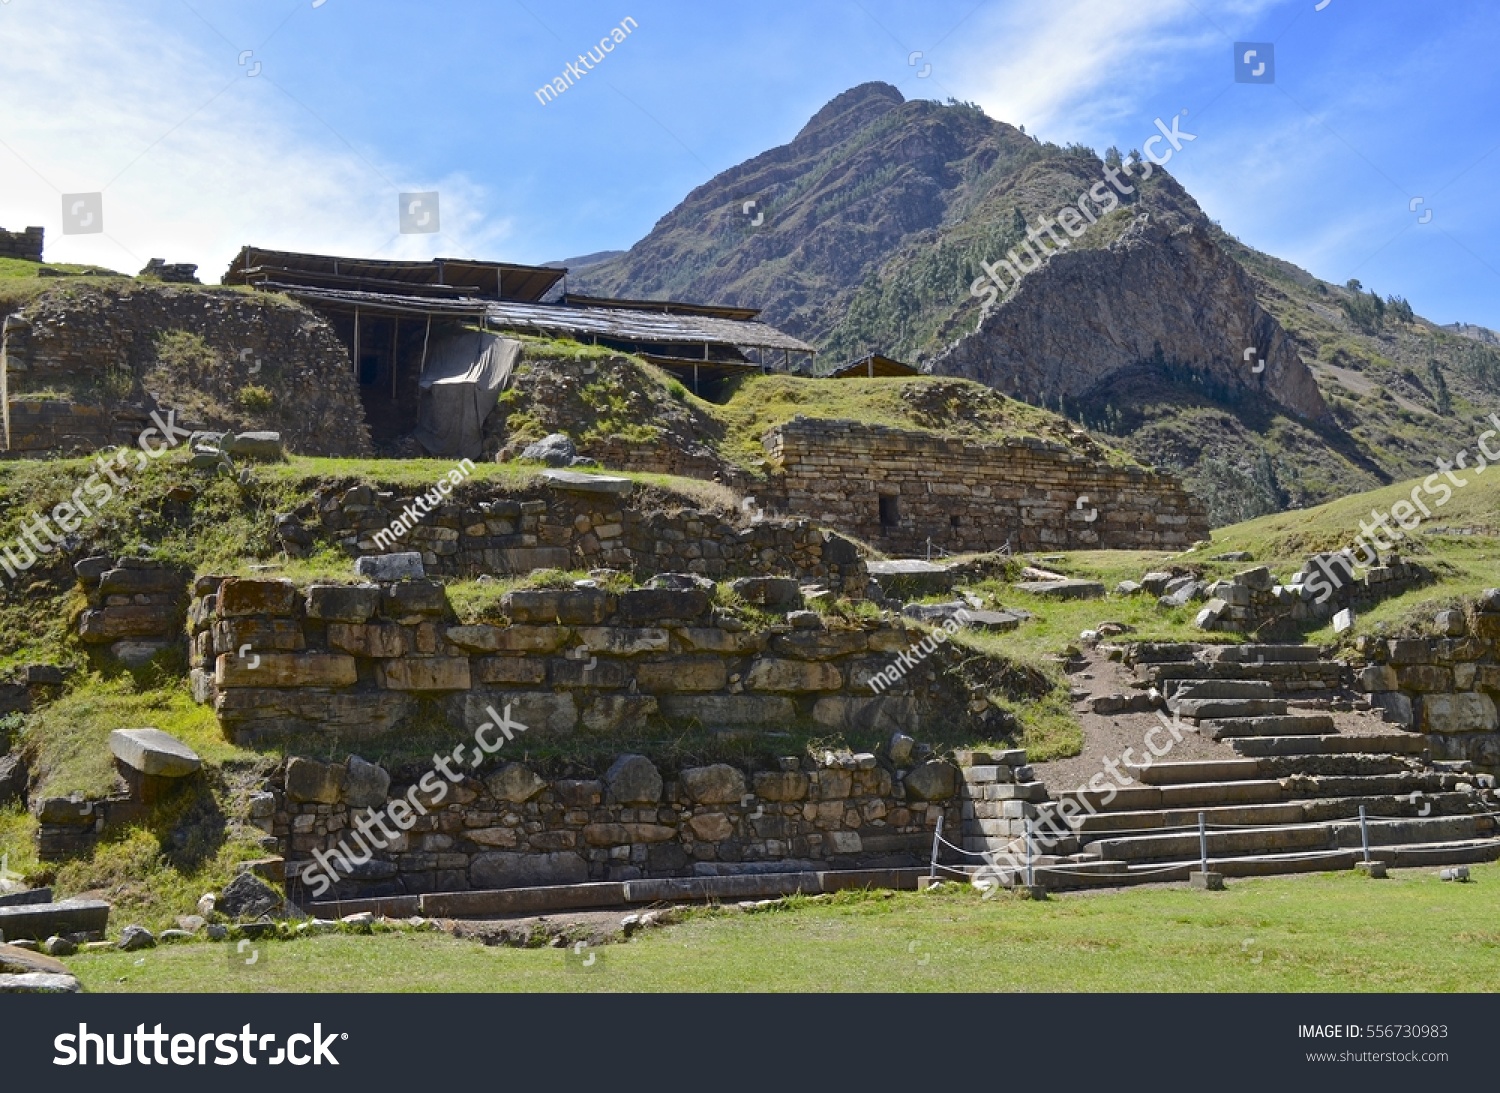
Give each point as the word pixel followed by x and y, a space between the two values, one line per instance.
pixel 1162 292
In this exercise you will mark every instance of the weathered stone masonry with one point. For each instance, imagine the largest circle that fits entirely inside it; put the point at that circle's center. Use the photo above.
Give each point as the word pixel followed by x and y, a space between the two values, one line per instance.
pixel 1445 687
pixel 26 245
pixel 500 531
pixel 90 347
pixel 897 489
pixel 357 661
pixel 510 827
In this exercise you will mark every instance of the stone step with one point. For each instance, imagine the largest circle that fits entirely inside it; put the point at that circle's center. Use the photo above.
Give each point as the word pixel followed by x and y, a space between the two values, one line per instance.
pixel 1319 809
pixel 1147 819
pixel 1188 795
pixel 1368 785
pixel 1413 830
pixel 1109 872
pixel 1319 675
pixel 1195 770
pixel 1275 725
pixel 1233 843
pixel 1268 654
pixel 1260 746
pixel 1179 689
pixel 1464 852
pixel 1198 709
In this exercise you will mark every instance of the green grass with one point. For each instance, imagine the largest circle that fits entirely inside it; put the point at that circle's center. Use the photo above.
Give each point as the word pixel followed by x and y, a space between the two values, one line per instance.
pixel 69 739
pixel 1324 932
pixel 928 404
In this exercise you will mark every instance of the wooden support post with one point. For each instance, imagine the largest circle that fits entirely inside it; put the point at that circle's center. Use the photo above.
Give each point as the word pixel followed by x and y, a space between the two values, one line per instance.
pixel 356 345
pixel 395 350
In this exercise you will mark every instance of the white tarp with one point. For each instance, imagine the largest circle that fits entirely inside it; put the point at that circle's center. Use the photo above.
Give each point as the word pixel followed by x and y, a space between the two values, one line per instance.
pixel 459 387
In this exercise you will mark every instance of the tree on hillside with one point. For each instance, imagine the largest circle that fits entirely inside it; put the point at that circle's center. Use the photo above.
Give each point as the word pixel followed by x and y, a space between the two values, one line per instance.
pixel 1441 400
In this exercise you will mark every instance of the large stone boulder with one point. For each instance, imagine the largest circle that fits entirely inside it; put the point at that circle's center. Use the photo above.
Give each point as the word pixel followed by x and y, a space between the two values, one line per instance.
pixel 932 781
pixel 154 752
pixel 634 780
pixel 555 450
pixel 257 445
pixel 366 785
pixel 307 780
pixel 247 896
pixel 717 784
pixel 515 783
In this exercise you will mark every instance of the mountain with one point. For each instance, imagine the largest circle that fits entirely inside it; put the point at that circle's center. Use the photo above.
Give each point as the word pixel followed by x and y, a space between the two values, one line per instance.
pixel 873 229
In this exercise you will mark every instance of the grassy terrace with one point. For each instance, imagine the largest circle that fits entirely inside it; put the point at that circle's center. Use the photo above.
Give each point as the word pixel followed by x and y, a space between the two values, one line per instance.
pixel 1329 932
pixel 225 527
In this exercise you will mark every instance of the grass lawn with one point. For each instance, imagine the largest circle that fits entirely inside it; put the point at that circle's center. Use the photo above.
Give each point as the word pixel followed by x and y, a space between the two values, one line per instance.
pixel 1326 932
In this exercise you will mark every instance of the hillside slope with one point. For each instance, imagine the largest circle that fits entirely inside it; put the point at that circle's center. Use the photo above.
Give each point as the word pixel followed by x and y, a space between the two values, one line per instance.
pixel 876 220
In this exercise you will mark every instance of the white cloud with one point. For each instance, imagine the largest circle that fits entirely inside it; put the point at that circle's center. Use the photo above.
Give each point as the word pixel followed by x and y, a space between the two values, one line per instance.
pixel 195 157
pixel 1076 66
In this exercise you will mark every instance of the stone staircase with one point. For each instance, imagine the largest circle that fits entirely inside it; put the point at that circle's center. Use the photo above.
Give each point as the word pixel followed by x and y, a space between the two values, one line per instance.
pixel 1284 798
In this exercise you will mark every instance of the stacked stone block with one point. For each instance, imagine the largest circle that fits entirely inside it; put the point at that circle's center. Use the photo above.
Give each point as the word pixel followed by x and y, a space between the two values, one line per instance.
pixel 1325 585
pixel 510 826
pixel 968 497
pixel 546 527
pixel 25 245
pixel 1446 687
pixel 97 343
pixel 357 661
pixel 136 606
pixel 998 795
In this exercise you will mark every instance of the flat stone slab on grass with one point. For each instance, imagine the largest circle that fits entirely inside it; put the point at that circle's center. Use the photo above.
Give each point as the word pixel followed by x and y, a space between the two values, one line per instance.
pixel 911 576
pixel 154 752
pixel 994 620
pixel 26 897
pixel 904 567
pixel 1071 589
pixel 406 565
pixel 40 921
pixel 578 482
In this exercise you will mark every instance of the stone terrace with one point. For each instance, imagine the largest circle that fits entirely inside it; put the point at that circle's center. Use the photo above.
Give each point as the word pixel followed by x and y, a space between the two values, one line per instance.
pixel 898 489
pixel 358 661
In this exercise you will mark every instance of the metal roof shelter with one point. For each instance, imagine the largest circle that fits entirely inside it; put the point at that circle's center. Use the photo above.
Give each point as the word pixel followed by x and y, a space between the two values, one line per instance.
pixel 874 365
pixel 385 312
pixel 441 277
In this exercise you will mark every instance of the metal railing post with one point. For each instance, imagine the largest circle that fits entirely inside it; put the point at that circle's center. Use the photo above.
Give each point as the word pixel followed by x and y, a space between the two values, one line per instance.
pixel 1030 878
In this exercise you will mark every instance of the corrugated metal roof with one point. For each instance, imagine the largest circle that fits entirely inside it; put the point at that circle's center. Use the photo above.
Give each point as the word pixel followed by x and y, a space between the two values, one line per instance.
pixel 611 323
pixel 449 277
pixel 650 327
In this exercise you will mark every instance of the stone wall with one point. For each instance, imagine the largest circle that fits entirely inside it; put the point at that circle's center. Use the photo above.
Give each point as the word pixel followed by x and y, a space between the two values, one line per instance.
pixel 558 394
pixel 1326 584
pixel 352 662
pixel 511 826
pixel 897 489
pixel 136 606
pixel 60 426
pixel 96 351
pixel 26 245
pixel 563 523
pixel 1443 686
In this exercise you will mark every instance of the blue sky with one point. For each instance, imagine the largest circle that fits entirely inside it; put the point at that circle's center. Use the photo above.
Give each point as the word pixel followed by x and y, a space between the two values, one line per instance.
pixel 1376 103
